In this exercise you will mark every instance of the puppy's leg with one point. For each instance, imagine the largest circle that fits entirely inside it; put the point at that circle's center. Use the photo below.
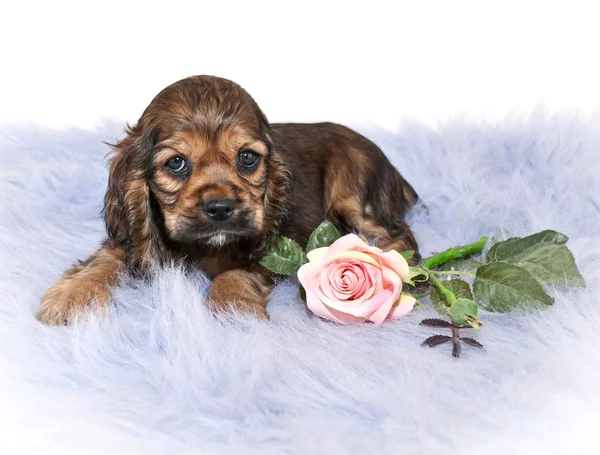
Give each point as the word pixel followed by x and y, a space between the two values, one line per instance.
pixel 244 290
pixel 397 237
pixel 83 284
pixel 365 194
pixel 381 221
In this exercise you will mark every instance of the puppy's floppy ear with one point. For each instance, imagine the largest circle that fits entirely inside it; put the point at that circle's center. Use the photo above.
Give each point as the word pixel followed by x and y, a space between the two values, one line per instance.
pixel 277 194
pixel 128 211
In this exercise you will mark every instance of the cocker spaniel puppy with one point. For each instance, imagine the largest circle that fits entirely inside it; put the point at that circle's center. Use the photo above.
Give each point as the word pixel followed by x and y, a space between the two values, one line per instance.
pixel 203 178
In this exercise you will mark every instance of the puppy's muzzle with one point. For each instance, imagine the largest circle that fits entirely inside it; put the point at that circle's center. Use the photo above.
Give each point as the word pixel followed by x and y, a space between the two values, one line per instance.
pixel 219 209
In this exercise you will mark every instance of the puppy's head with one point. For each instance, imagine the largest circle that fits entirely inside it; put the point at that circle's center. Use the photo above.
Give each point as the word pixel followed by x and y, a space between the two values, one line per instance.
pixel 201 167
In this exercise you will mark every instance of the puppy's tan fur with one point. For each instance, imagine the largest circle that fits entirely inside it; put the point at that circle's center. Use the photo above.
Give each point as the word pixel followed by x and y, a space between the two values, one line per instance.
pixel 84 283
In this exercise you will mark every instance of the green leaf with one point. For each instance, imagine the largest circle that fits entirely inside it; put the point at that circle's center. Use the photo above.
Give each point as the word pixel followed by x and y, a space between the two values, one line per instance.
pixel 464 312
pixel 407 254
pixel 491 254
pixel 550 264
pixel 512 247
pixel 461 265
pixel 503 287
pixel 284 257
pixel 416 275
pixel 325 234
pixel 459 288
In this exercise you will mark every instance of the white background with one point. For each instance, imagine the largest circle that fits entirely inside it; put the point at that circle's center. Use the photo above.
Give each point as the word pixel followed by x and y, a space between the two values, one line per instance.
pixel 370 62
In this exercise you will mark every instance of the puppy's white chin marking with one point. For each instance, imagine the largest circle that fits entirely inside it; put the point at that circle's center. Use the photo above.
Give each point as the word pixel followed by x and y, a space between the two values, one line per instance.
pixel 218 240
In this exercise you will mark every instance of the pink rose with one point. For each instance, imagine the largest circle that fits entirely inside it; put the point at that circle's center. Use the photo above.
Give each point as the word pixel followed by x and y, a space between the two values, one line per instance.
pixel 351 281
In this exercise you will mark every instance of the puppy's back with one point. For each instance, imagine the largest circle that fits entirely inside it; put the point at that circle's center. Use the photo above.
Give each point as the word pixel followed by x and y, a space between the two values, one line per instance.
pixel 340 175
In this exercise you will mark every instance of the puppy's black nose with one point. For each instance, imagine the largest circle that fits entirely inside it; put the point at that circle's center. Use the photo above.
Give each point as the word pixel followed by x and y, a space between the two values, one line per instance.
pixel 219 209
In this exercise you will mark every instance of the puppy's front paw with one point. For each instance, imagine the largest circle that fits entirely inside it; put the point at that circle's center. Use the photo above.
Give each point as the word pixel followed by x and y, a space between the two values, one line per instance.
pixel 239 290
pixel 70 297
pixel 218 305
pixel 84 286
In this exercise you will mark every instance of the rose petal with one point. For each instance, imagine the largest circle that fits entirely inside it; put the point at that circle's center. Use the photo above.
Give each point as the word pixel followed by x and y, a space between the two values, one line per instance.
pixel 351 293
pixel 373 305
pixel 345 306
pixel 363 285
pixel 308 275
pixel 348 279
pixel 375 276
pixel 337 316
pixel 352 255
pixel 350 242
pixel 325 286
pixel 393 284
pixel 366 308
pixel 394 260
pixel 317 254
pixel 331 287
pixel 402 307
pixel 360 282
pixel 346 274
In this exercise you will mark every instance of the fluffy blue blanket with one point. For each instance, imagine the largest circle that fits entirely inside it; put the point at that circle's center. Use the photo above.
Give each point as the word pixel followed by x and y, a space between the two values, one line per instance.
pixel 161 375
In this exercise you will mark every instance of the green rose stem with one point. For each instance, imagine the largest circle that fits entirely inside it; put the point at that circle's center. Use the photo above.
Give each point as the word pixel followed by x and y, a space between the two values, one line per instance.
pixel 458 252
pixel 448 295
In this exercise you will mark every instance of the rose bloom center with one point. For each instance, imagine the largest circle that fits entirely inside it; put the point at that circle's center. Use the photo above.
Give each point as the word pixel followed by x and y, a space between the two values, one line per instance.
pixel 347 280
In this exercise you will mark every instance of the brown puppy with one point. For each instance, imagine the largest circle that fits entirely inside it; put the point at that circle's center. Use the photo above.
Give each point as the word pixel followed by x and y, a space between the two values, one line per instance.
pixel 204 179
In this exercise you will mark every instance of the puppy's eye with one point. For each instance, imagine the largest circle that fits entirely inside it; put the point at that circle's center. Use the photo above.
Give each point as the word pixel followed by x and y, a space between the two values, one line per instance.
pixel 248 158
pixel 176 164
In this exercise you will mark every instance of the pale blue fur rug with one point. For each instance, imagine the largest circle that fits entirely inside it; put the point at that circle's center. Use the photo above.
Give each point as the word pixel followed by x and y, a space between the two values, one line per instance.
pixel 161 376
